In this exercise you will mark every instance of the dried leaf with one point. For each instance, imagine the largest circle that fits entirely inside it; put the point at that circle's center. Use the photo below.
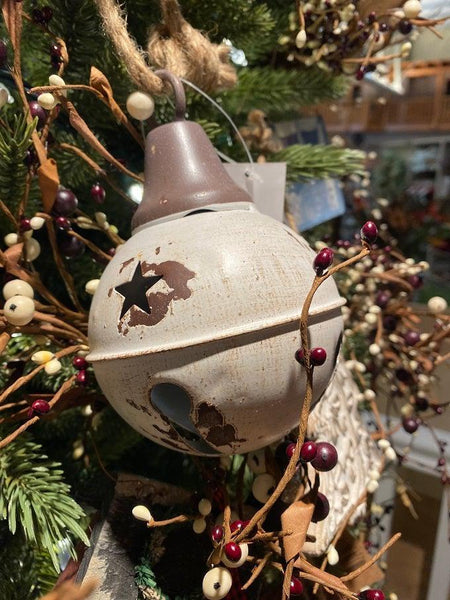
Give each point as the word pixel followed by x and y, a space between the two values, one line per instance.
pixel 48 182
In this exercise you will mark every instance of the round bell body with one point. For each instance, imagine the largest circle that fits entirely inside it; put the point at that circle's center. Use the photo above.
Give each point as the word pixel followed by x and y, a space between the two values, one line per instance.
pixel 194 327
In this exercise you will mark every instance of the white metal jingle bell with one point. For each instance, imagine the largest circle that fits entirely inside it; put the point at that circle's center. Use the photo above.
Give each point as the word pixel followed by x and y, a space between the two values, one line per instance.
pixel 194 325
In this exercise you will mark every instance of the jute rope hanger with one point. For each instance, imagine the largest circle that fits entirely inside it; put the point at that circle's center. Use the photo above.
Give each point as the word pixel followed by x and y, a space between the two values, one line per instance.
pixel 174 45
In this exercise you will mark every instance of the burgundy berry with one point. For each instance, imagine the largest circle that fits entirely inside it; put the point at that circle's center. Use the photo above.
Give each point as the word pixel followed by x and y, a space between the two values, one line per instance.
pixel 81 377
pixel 296 586
pixel 323 260
pixel 405 27
pixel 411 338
pixel 318 356
pixel 25 224
pixel 290 449
pixel 300 356
pixel 369 232
pixel 321 508
pixel 326 457
pixel 441 462
pixel 384 27
pixel 372 18
pixel 382 299
pixel 308 451
pixel 37 111
pixel 80 363
pixel 390 323
pixel 217 533
pixel 416 281
pixel 62 223
pixel 55 51
pixel 359 75
pixel 232 551
pixel 98 193
pixel 39 407
pixel 410 424
pixel 371 595
pixel 65 203
pixel 71 247
pixel 237 525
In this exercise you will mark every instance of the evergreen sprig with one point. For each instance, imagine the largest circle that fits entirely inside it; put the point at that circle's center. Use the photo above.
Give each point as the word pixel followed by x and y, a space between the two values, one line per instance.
pixel 278 91
pixel 306 161
pixel 15 139
pixel 35 499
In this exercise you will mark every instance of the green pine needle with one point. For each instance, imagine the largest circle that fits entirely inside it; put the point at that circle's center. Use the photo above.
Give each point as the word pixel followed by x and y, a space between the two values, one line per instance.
pixel 15 139
pixel 35 499
pixel 319 162
pixel 278 91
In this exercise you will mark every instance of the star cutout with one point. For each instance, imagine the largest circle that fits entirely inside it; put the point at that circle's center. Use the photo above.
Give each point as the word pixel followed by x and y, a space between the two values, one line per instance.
pixel 135 291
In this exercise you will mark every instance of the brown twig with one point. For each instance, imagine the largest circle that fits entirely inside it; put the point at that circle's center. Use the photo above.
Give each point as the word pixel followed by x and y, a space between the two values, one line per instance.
pixel 29 376
pixel 373 560
pixel 257 571
pixel 178 519
pixel 8 439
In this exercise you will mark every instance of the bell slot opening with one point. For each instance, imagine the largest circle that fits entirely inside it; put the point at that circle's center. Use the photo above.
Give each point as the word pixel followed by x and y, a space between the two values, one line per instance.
pixel 174 404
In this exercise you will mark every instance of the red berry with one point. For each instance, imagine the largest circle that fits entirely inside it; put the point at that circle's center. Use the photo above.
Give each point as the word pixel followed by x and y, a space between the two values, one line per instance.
pixel 321 508
pixel 371 595
pixel 290 449
pixel 62 223
pixel 237 526
pixel 300 356
pixel 233 551
pixel 308 451
pixel 372 17
pixel 80 363
pixel 410 424
pixel 98 193
pixel 25 224
pixel 296 587
pixel 81 377
pixel 326 457
pixel 323 260
pixel 359 75
pixel 317 356
pixel 411 338
pixel 217 533
pixel 39 407
pixel 369 232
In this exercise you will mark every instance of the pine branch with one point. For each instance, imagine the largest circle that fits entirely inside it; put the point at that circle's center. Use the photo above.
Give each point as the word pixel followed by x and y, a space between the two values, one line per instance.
pixel 319 162
pixel 35 500
pixel 279 91
pixel 15 139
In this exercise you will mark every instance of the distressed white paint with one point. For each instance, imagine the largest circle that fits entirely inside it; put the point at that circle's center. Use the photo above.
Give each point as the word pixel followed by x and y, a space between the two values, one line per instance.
pixel 230 345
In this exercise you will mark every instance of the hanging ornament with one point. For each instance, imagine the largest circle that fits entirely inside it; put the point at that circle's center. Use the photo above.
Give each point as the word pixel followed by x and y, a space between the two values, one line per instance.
pixel 195 322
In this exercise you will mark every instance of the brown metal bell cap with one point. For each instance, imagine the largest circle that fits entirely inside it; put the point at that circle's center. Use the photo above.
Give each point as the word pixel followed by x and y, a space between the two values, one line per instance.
pixel 182 169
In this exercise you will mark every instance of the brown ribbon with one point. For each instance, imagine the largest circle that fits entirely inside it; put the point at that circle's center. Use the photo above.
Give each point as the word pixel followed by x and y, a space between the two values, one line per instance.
pixel 48 183
pixel 296 518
